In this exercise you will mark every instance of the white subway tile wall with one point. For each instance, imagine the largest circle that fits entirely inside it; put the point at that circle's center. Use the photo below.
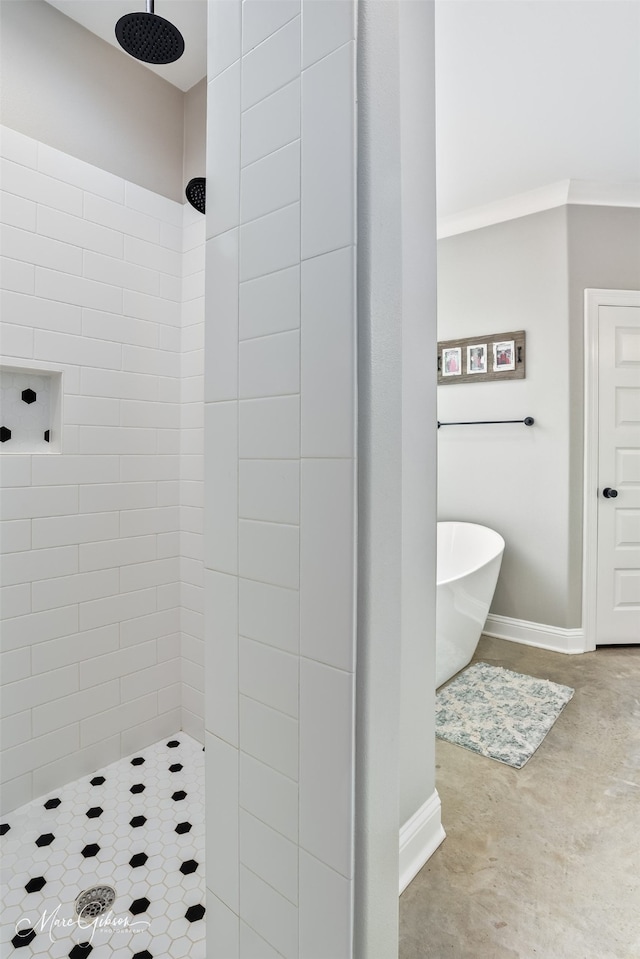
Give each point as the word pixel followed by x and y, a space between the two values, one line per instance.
pixel 102 607
pixel 191 458
pixel 280 388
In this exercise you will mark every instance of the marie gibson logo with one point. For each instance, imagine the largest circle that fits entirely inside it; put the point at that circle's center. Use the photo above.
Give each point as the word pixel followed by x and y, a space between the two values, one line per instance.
pixel 57 926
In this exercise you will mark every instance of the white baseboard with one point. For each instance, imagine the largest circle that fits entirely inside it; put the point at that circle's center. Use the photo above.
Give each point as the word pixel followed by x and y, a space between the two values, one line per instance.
pixel 419 838
pixel 535 634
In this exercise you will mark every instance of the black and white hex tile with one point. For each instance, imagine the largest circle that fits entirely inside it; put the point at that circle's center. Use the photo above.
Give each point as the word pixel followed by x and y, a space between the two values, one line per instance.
pixel 134 829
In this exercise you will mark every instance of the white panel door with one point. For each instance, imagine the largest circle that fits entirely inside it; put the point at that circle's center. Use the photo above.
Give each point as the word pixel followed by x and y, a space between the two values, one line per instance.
pixel 618 536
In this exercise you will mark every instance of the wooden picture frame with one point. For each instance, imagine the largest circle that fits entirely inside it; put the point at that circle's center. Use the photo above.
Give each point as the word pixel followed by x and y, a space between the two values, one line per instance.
pixel 490 358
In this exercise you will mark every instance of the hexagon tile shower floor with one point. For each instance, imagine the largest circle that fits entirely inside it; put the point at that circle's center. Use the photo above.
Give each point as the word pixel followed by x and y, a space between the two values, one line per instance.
pixel 110 866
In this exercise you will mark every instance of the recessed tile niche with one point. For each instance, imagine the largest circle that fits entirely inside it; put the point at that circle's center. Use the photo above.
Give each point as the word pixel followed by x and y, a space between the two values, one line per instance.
pixel 30 410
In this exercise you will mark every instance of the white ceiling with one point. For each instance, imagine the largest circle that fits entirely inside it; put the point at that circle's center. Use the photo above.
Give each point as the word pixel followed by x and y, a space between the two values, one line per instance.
pixel 532 92
pixel 189 16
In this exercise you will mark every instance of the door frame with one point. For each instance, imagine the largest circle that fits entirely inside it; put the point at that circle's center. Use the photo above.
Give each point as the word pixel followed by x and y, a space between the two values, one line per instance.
pixel 593 299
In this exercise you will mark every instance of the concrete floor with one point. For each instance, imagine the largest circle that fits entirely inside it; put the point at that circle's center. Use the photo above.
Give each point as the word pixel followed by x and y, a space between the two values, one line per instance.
pixel 541 862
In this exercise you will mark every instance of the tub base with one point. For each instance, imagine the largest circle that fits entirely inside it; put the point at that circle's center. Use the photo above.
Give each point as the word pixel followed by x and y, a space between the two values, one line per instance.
pixel 468 564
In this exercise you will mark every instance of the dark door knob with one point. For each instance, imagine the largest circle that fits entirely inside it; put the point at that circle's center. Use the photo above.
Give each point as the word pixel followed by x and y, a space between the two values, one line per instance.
pixel 609 493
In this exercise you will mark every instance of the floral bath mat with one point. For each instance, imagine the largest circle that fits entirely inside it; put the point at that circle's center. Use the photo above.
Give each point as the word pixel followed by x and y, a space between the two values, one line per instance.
pixel 498 713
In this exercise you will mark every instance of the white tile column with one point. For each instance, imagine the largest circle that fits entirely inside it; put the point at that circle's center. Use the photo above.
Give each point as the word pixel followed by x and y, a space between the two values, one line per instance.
pixel 280 402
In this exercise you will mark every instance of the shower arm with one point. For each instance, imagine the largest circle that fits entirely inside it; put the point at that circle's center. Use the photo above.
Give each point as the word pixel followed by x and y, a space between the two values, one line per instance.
pixel 150 4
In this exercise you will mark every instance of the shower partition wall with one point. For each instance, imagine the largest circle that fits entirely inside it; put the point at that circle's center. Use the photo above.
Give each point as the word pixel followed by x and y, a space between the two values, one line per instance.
pixel 280 448
pixel 101 543
pixel 302 750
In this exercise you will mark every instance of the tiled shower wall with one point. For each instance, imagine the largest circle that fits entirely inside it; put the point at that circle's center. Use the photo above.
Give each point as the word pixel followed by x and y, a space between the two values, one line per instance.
pixel 101 544
pixel 280 393
pixel 192 473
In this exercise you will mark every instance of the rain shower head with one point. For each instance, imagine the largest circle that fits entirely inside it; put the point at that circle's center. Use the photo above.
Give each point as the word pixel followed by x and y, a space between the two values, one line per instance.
pixel 196 193
pixel 149 37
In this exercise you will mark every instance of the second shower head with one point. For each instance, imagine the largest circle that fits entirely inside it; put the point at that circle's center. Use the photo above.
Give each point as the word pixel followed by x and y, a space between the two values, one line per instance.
pixel 196 193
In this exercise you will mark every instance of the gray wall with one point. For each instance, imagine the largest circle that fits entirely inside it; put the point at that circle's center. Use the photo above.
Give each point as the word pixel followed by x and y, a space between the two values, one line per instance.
pixel 529 274
pixel 64 86
pixel 419 474
pixel 513 478
pixel 195 131
pixel 379 499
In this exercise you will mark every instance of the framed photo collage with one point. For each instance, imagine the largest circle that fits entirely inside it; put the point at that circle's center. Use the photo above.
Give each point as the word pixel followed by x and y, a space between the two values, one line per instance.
pixel 497 356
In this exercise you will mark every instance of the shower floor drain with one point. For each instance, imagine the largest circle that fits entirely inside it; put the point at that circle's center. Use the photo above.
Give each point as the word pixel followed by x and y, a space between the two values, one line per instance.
pixel 95 901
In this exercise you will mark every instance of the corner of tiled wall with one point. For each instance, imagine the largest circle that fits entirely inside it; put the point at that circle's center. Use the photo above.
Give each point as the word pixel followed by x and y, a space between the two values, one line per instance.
pixel 192 473
pixel 98 573
pixel 280 462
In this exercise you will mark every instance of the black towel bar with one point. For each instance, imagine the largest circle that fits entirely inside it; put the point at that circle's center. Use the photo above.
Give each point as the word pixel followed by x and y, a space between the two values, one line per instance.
pixel 528 421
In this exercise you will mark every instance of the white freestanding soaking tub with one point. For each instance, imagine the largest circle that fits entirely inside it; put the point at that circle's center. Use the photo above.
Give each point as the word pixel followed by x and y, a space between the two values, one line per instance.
pixel 468 562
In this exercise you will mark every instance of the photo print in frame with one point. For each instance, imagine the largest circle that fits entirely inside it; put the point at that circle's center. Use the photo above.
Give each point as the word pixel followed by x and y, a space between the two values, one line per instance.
pixel 452 361
pixel 504 355
pixel 477 358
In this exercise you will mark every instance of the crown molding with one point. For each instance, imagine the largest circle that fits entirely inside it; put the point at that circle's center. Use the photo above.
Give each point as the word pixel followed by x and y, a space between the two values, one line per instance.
pixel 597 193
pixel 561 193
